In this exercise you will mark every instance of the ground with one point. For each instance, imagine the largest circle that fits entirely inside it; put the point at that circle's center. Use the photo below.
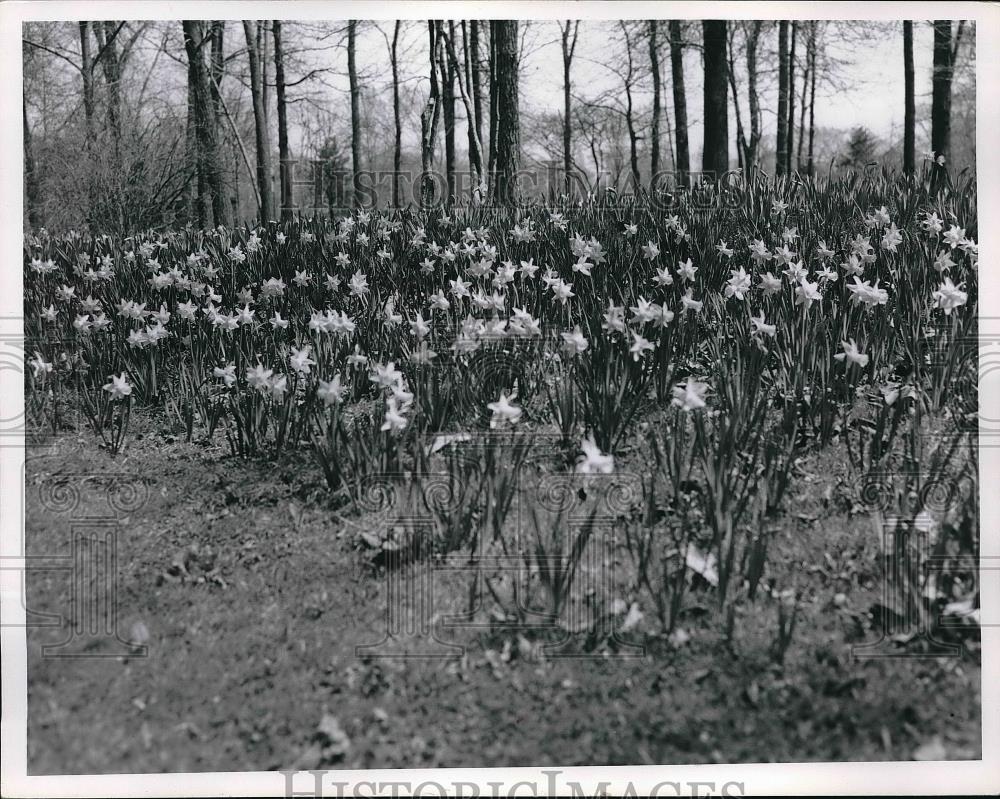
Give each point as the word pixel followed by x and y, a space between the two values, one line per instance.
pixel 251 594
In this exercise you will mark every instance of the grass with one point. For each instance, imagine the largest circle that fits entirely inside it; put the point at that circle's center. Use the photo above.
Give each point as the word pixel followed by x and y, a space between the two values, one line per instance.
pixel 250 648
pixel 766 459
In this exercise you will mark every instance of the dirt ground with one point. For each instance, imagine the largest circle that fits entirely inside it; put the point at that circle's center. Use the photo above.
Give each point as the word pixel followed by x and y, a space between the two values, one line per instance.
pixel 251 595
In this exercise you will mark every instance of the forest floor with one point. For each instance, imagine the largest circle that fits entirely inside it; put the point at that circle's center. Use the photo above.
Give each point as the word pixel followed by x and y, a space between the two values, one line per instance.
pixel 251 596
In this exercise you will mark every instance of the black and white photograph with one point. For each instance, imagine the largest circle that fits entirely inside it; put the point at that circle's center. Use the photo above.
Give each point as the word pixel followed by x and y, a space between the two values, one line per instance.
pixel 409 389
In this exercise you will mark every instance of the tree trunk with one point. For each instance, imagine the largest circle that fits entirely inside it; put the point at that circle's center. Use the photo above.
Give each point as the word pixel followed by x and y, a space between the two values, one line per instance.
pixel 212 200
pixel 680 102
pixel 352 73
pixel 941 90
pixel 812 102
pixel 633 137
pixel 260 123
pixel 802 105
pixel 750 156
pixel 791 98
pixel 781 150
pixel 112 77
pixel 194 186
pixel 32 190
pixel 284 156
pixel 477 88
pixel 90 132
pixel 475 148
pixel 909 114
pixel 715 155
pixel 448 100
pixel 654 133
pixel 217 70
pixel 428 122
pixel 508 150
pixel 568 48
pixel 741 142
pixel 397 147
pixel 87 72
pixel 493 105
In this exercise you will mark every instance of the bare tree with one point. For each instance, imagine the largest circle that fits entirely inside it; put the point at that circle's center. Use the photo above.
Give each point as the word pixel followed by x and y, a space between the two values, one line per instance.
pixel 352 73
pixel 429 120
pixel 31 183
pixel 475 148
pixel 810 43
pixel 654 133
pixel 106 34
pixel 629 78
pixel 568 49
pixel 212 201
pixel 397 147
pixel 87 73
pixel 781 154
pixel 477 88
pixel 491 168
pixel 944 61
pixel 508 128
pixel 447 67
pixel 791 99
pixel 812 95
pixel 680 101
pixel 910 112
pixel 251 28
pixel 715 154
pixel 284 156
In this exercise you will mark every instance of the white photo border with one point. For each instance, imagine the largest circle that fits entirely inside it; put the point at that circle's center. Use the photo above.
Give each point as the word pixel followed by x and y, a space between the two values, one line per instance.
pixel 931 778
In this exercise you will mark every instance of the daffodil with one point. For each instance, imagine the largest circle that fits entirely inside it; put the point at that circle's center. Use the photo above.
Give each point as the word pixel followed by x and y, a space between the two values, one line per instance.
pixel 593 460
pixel 690 396
pixel 504 413
pixel 118 388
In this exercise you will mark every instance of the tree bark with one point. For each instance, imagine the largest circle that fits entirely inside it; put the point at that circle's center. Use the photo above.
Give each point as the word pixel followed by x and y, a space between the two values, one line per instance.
pixel 212 200
pixel 750 156
pixel 715 154
pixel 217 71
pixel 941 89
pixel 781 149
pixel 508 151
pixel 32 189
pixel 475 148
pixel 741 141
pixel 429 121
pixel 352 72
pixel 654 69
pixel 112 77
pixel 633 147
pixel 493 105
pixel 260 123
pixel 397 147
pixel 284 156
pixel 802 105
pixel 791 98
pixel 568 49
pixel 909 113
pixel 812 101
pixel 448 102
pixel 680 102
pixel 87 73
pixel 477 88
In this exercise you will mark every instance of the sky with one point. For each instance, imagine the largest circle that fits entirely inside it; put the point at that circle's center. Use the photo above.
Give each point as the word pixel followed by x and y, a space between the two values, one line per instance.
pixel 869 74
pixel 867 88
